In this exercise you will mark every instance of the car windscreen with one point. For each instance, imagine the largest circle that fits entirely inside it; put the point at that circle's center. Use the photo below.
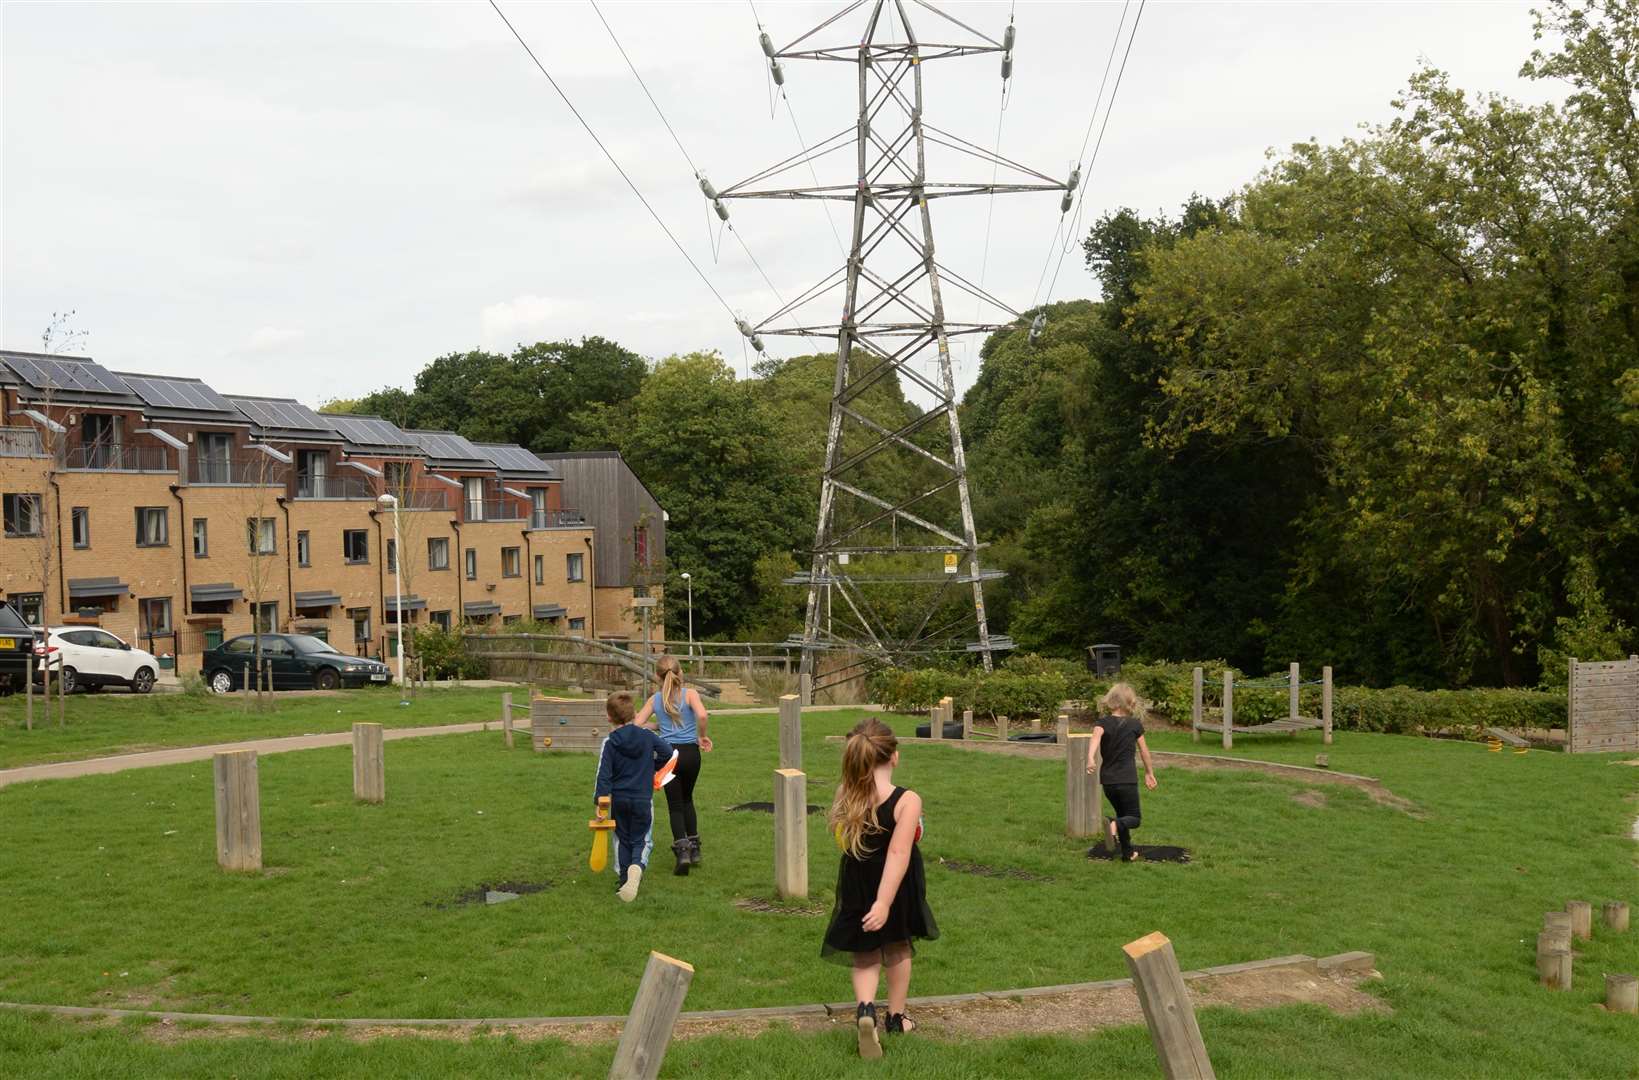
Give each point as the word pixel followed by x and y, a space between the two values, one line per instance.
pixel 10 620
pixel 306 643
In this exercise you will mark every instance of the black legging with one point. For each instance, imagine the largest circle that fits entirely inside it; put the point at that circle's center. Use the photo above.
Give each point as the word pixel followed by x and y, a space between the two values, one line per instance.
pixel 680 792
pixel 1124 801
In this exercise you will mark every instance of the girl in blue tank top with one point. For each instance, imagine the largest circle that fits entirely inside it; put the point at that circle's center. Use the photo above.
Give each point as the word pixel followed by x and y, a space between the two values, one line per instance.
pixel 679 715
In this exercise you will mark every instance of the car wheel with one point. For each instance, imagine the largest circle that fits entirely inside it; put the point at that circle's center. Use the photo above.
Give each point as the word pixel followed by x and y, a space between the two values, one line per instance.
pixel 68 680
pixel 327 679
pixel 222 681
pixel 143 681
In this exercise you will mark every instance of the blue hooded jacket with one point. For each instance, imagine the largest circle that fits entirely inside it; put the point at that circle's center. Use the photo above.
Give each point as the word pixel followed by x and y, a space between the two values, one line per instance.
pixel 628 760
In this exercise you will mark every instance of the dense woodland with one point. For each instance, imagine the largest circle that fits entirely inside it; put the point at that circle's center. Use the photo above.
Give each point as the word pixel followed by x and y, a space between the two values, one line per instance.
pixel 1379 408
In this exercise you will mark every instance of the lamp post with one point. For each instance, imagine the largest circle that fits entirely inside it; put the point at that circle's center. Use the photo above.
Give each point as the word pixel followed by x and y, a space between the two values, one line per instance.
pixel 387 502
pixel 688 582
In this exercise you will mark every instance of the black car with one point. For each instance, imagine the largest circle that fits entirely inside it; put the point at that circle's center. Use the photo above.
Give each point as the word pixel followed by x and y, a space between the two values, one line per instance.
pixel 293 661
pixel 16 650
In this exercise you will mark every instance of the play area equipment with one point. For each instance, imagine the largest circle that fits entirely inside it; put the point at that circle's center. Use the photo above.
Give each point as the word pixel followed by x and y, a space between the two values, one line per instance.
pixel 1222 718
pixel 1603 706
pixel 567 725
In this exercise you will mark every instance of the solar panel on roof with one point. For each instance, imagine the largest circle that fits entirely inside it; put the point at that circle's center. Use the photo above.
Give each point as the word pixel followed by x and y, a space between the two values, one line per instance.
pixel 514 458
pixel 177 393
pixel 283 413
pixel 58 373
pixel 368 430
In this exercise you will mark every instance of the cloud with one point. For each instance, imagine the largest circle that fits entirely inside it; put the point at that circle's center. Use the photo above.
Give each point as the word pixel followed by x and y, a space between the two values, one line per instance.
pixel 272 338
pixel 522 318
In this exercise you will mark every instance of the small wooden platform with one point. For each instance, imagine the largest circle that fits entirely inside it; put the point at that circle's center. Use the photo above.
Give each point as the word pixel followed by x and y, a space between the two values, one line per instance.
pixel 1507 738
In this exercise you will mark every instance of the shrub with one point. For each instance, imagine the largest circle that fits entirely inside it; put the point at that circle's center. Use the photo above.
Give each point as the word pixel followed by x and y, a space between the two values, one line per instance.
pixel 444 657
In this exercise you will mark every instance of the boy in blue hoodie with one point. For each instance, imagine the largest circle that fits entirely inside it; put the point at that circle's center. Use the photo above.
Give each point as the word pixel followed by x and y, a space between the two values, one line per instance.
pixel 627 762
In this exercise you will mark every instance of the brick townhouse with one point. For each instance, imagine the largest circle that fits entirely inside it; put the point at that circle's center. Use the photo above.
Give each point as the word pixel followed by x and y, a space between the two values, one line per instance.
pixel 173 515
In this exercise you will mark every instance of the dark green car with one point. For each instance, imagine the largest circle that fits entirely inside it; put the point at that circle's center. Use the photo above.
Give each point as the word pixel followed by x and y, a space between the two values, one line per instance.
pixel 292 662
pixel 16 650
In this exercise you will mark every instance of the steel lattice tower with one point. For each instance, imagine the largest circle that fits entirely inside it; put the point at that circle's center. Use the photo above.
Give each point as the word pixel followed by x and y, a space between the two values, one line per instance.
pixel 901 532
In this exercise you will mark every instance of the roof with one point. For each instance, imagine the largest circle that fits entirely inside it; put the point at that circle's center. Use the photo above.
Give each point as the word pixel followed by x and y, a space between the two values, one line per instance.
pixel 283 418
pixel 76 380
pixel 587 455
pixel 447 450
pixel 370 435
pixel 176 397
pixel 516 463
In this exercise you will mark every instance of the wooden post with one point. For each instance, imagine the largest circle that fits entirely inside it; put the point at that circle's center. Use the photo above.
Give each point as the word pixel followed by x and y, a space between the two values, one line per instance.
pixel 1581 913
pixel 238 811
pixel 790 732
pixel 537 731
pixel 805 688
pixel 1326 705
pixel 1616 915
pixel 1198 678
pixel 1292 692
pixel 369 767
pixel 28 693
pixel 1167 1008
pixel 506 718
pixel 967 723
pixel 1553 961
pixel 1621 993
pixel 1229 709
pixel 942 716
pixel 244 685
pixel 1570 705
pixel 790 833
pixel 1557 920
pixel 1081 789
pixel 62 695
pixel 1061 730
pixel 1001 728
pixel 648 1030
pixel 1035 723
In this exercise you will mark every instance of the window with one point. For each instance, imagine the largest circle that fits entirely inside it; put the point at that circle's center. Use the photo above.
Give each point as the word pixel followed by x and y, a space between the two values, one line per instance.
pixel 215 458
pixel 240 646
pixel 361 624
pixel 577 566
pixel 511 564
pixel 508 620
pixel 540 569
pixel 22 515
pixel 472 564
pixel 396 477
pixel 153 529
pixel 201 539
pixel 438 553
pixel 304 549
pixel 440 619
pixel 472 489
pixel 312 469
pixel 263 535
pixel 392 556
pixel 267 619
pixel 31 606
pixel 276 646
pixel 82 526
pixel 156 616
pixel 577 626
pixel 640 546
pixel 355 545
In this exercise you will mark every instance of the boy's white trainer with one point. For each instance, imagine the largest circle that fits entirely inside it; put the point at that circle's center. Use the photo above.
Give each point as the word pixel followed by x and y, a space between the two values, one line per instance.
pixel 634 877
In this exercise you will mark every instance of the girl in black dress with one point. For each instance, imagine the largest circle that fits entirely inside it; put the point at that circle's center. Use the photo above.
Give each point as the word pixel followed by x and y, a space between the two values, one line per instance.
pixel 881 893
pixel 1118 734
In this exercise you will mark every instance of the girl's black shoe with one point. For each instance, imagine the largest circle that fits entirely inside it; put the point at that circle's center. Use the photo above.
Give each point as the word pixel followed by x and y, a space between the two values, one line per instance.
pixel 870 1044
pixel 680 848
pixel 896 1024
pixel 694 851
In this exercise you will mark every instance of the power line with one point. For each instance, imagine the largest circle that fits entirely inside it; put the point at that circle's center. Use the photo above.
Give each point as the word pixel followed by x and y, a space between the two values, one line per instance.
pixel 680 249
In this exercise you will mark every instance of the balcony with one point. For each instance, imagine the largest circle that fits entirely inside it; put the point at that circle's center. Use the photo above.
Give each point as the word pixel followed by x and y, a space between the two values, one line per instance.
pixel 556 519
pixel 335 487
pixel 20 442
pixel 116 457
pixel 253 471
pixel 428 498
pixel 495 509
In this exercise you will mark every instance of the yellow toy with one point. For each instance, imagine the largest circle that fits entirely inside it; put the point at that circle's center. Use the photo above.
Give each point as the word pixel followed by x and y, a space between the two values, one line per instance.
pixel 600 827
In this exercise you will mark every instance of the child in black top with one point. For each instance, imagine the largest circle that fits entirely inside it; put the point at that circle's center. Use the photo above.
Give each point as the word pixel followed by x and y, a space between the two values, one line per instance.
pixel 881 899
pixel 627 761
pixel 1118 733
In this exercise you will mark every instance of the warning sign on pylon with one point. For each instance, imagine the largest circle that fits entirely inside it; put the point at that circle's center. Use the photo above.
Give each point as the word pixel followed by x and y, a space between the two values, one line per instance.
pixel 950 564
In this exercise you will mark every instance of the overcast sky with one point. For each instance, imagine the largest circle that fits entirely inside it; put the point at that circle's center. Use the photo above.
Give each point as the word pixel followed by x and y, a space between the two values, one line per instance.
pixel 317 199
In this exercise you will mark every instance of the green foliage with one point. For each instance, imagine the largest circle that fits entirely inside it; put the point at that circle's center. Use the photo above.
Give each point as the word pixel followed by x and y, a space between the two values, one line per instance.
pixel 444 657
pixel 1590 632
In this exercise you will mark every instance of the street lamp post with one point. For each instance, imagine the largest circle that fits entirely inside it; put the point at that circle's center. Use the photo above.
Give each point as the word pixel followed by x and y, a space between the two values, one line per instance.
pixel 388 502
pixel 689 584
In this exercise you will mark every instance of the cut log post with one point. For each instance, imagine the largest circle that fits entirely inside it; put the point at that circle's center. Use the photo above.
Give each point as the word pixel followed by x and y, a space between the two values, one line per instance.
pixel 1196 705
pixel 1229 710
pixel 942 716
pixel 1616 915
pixel 238 811
pixel 648 1030
pixel 805 685
pixel 369 767
pixel 1622 993
pixel 537 732
pixel 1167 1008
pixel 1062 730
pixel 790 732
pixel 1553 962
pixel 28 694
pixel 1001 728
pixel 1557 920
pixel 1326 705
pixel 1581 913
pixel 1292 677
pixel 1081 789
pixel 506 719
pixel 967 723
pixel 790 833
pixel 1035 723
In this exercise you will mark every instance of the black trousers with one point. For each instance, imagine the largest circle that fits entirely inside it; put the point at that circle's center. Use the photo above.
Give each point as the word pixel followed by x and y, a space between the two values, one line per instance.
pixel 1124 801
pixel 680 792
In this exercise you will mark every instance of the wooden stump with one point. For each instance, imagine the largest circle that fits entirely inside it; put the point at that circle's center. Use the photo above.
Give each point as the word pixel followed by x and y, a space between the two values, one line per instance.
pixel 1553 964
pixel 1557 920
pixel 1326 705
pixel 369 766
pixel 1229 710
pixel 967 723
pixel 1616 915
pixel 805 690
pixel 506 718
pixel 943 715
pixel 1001 728
pixel 648 1029
pixel 790 833
pixel 790 732
pixel 238 811
pixel 1167 1009
pixel 1061 731
pixel 1581 913
pixel 1081 789
pixel 1198 692
pixel 1622 993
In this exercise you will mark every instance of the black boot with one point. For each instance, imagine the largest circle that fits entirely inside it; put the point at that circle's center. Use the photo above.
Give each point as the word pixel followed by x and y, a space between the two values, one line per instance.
pixel 680 849
pixel 870 1043
pixel 694 851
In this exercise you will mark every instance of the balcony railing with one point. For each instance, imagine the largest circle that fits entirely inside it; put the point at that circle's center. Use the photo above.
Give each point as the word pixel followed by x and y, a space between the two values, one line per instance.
pixel 429 498
pixel 117 457
pixel 246 471
pixel 494 509
pixel 20 442
pixel 334 487
pixel 556 519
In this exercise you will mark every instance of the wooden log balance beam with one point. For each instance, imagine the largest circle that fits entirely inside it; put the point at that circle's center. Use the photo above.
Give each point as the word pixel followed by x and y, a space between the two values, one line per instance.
pixel 1167 1009
pixel 790 732
pixel 369 764
pixel 648 1029
pixel 790 833
pixel 238 810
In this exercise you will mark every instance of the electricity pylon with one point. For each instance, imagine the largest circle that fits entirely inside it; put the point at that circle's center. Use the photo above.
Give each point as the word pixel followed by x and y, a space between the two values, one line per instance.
pixel 883 527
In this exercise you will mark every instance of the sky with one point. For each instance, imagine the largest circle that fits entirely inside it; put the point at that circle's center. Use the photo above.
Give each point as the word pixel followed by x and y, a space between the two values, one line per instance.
pixel 315 200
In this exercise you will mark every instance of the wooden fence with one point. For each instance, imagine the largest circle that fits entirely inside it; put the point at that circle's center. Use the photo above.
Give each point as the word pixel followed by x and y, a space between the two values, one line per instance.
pixel 1603 706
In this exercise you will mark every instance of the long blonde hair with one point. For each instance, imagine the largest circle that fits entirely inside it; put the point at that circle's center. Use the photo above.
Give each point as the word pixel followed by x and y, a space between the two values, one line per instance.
pixel 1120 696
pixel 852 815
pixel 671 684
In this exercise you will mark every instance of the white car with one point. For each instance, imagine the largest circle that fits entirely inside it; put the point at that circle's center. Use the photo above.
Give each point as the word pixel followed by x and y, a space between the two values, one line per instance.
pixel 94 658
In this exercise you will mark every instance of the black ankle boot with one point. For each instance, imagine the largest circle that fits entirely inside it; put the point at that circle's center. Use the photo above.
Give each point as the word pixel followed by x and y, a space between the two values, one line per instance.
pixel 694 851
pixel 895 1024
pixel 870 1043
pixel 680 849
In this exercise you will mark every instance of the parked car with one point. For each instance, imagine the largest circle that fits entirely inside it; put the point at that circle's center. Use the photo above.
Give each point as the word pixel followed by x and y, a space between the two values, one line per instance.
pixel 16 650
pixel 92 659
pixel 294 662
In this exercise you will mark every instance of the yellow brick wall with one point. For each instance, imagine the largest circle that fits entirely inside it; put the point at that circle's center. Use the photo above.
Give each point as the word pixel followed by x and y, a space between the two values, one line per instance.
pixel 555 545
pixel 358 584
pixel 20 557
pixel 617 618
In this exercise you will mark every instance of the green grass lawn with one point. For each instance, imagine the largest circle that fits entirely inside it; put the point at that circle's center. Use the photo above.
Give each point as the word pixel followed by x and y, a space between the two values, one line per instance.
pixel 117 723
pixel 114 898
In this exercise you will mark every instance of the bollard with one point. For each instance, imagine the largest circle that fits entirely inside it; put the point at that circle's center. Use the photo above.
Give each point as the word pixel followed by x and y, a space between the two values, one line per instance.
pixel 790 732
pixel 369 767
pixel 790 833
pixel 238 810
